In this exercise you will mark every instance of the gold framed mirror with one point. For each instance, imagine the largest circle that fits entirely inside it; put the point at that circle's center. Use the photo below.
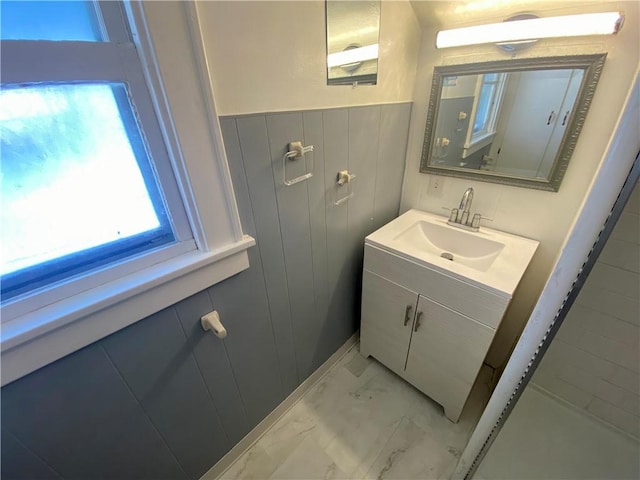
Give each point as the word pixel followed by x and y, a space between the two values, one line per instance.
pixel 514 122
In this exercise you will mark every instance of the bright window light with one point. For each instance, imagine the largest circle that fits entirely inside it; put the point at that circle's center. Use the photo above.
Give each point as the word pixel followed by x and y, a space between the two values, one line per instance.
pixel 49 20
pixel 514 31
pixel 77 188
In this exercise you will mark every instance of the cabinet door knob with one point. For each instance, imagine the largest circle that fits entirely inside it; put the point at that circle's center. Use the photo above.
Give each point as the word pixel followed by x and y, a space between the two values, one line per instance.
pixel 418 315
pixel 407 315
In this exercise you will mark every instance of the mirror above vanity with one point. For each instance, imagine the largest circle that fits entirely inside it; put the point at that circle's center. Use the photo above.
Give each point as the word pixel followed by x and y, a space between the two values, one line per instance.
pixel 514 121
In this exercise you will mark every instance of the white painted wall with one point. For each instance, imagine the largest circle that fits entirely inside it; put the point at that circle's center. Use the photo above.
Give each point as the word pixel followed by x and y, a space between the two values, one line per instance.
pixel 271 56
pixel 544 216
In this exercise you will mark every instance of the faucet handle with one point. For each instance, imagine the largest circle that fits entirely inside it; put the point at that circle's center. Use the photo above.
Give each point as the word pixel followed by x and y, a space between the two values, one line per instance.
pixel 475 222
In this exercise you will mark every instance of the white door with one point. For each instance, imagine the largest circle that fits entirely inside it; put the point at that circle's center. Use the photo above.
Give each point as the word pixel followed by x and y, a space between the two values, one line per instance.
pixel 530 121
pixel 388 311
pixel 564 118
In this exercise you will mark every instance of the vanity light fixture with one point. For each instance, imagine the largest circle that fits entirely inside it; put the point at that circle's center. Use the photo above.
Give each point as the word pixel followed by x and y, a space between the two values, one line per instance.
pixel 353 55
pixel 531 29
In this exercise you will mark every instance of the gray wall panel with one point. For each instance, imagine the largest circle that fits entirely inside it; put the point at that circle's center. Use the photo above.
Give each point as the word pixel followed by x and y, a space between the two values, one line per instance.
pixel 256 159
pixel 394 130
pixel 20 462
pixel 78 416
pixel 241 302
pixel 164 377
pixel 278 304
pixel 364 126
pixel 341 321
pixel 293 211
pixel 168 400
pixel 238 177
pixel 314 135
pixel 213 362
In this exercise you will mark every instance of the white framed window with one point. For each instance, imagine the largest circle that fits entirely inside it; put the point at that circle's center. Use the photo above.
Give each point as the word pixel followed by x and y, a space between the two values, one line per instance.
pixel 88 191
pixel 99 202
pixel 484 115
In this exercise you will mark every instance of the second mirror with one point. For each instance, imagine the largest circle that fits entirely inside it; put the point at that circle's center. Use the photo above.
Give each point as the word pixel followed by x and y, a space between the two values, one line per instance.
pixel 352 42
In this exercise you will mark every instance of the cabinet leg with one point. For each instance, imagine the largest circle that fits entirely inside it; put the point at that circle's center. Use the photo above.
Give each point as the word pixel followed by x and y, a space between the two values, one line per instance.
pixel 453 414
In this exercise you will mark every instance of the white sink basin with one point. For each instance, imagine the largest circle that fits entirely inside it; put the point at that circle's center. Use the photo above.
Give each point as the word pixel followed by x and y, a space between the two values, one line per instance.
pixel 489 259
pixel 461 246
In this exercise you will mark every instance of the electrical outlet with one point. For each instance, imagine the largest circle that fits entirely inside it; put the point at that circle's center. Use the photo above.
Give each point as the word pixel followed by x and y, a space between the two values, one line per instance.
pixel 436 185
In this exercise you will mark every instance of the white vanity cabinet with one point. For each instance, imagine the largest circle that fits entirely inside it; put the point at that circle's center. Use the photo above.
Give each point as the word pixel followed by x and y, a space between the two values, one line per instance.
pixel 430 328
pixel 433 296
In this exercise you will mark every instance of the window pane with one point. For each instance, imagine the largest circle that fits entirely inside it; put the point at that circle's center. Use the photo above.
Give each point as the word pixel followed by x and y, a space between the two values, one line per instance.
pixel 484 103
pixel 75 176
pixel 49 20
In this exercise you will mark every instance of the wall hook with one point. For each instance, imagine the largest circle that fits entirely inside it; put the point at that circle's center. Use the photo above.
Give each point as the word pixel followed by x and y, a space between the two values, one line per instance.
pixel 211 321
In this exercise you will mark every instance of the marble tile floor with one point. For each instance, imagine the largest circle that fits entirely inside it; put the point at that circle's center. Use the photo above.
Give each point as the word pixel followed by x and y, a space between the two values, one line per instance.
pixel 361 421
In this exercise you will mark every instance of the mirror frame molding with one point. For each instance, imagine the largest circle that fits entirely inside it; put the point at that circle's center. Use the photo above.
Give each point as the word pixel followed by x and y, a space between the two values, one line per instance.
pixel 592 66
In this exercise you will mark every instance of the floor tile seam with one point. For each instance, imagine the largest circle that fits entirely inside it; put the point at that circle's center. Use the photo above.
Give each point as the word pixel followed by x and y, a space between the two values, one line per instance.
pixel 382 449
pixel 283 460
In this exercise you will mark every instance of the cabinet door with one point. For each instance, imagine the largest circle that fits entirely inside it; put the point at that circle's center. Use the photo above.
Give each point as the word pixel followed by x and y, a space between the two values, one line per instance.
pixel 446 353
pixel 388 311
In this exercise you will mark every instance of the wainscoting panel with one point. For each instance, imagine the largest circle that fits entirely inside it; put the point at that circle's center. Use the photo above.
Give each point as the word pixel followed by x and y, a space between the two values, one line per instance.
pixel 81 420
pixel 162 374
pixel 211 355
pixel 164 399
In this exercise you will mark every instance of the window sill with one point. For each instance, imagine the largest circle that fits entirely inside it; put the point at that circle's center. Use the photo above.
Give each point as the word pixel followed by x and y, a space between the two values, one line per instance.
pixel 34 340
pixel 477 144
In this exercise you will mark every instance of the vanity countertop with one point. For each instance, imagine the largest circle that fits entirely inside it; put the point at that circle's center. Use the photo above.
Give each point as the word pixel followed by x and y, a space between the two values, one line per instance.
pixel 490 259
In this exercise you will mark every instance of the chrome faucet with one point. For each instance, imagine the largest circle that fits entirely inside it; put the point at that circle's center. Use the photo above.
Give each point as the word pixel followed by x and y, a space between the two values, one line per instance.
pixel 467 198
pixel 460 216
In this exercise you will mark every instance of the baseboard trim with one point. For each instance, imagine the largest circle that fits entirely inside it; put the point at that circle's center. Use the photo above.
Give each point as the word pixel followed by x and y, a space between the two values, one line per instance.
pixel 287 404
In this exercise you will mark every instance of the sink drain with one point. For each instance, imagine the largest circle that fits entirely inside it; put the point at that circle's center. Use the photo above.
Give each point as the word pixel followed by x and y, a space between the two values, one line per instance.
pixel 447 255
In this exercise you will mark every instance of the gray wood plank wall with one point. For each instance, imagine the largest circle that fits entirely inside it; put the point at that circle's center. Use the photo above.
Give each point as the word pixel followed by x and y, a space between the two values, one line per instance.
pixel 160 399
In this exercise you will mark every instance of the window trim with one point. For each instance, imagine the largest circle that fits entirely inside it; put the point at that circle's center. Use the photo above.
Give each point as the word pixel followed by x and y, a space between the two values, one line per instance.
pixel 199 163
pixel 100 62
pixel 477 141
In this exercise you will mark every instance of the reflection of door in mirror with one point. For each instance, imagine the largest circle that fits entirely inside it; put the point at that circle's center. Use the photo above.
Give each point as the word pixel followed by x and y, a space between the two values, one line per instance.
pixel 536 110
